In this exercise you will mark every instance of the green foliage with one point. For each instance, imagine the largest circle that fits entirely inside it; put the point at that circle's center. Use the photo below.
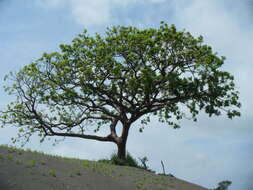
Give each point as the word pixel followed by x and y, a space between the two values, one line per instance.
pixel 75 172
pixel 141 186
pixel 123 76
pixel 52 172
pixel 18 161
pixel 78 172
pixel 9 156
pixel 86 164
pixel 31 163
pixel 128 161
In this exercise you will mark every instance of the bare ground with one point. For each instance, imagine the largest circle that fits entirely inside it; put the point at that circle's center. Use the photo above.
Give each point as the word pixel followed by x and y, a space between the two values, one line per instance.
pixel 26 170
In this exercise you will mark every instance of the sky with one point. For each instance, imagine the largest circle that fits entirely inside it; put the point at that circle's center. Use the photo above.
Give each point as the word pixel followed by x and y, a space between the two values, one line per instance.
pixel 204 152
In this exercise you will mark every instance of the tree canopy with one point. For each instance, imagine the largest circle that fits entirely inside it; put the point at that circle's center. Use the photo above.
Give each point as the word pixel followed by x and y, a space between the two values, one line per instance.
pixel 126 75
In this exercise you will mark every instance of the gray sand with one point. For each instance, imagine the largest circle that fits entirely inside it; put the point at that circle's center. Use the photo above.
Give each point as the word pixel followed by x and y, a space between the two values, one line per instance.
pixel 20 170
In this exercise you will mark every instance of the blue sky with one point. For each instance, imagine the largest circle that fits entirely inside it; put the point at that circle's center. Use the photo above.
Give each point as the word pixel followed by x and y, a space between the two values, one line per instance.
pixel 206 152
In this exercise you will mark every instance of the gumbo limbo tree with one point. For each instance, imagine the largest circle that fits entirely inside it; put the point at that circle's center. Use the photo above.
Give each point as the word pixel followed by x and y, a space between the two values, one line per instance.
pixel 113 80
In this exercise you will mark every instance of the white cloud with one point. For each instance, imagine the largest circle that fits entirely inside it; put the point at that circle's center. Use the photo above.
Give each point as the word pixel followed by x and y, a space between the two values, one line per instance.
pixel 228 31
pixel 205 152
pixel 95 12
pixel 91 12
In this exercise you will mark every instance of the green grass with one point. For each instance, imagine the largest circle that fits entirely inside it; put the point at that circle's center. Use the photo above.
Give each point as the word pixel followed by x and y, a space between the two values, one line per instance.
pixel 76 172
pixel 52 172
pixel 31 163
pixel 129 161
pixel 18 161
pixel 9 156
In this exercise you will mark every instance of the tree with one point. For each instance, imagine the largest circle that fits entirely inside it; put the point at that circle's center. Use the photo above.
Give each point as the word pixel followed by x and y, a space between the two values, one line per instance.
pixel 112 81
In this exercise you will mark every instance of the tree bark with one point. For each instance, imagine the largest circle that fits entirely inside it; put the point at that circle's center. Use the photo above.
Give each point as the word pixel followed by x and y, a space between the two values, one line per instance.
pixel 122 142
pixel 121 150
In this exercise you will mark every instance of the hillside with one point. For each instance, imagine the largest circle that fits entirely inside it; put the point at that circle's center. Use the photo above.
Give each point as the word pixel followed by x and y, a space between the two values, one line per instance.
pixel 28 170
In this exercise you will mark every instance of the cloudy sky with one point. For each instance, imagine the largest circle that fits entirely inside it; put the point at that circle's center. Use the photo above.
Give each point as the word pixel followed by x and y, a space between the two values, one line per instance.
pixel 206 152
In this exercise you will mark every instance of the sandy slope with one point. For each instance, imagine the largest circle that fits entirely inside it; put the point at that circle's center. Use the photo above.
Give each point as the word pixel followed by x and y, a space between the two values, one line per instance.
pixel 20 170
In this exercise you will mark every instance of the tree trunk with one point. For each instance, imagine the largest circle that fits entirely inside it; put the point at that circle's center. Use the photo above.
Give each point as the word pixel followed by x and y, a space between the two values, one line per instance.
pixel 122 143
pixel 121 150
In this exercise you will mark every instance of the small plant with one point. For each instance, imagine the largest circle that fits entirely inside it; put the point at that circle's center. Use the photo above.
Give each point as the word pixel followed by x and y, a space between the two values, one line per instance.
pixel 31 163
pixel 143 162
pixel 129 161
pixel 223 185
pixel 43 163
pixel 94 167
pixel 52 173
pixel 75 172
pixel 29 150
pixel 1 157
pixel 78 172
pixel 141 186
pixel 10 157
pixel 18 161
pixel 11 150
pixel 86 164
pixel 105 161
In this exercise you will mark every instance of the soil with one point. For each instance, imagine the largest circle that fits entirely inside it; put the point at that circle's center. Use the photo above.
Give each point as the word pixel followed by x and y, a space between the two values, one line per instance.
pixel 27 170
